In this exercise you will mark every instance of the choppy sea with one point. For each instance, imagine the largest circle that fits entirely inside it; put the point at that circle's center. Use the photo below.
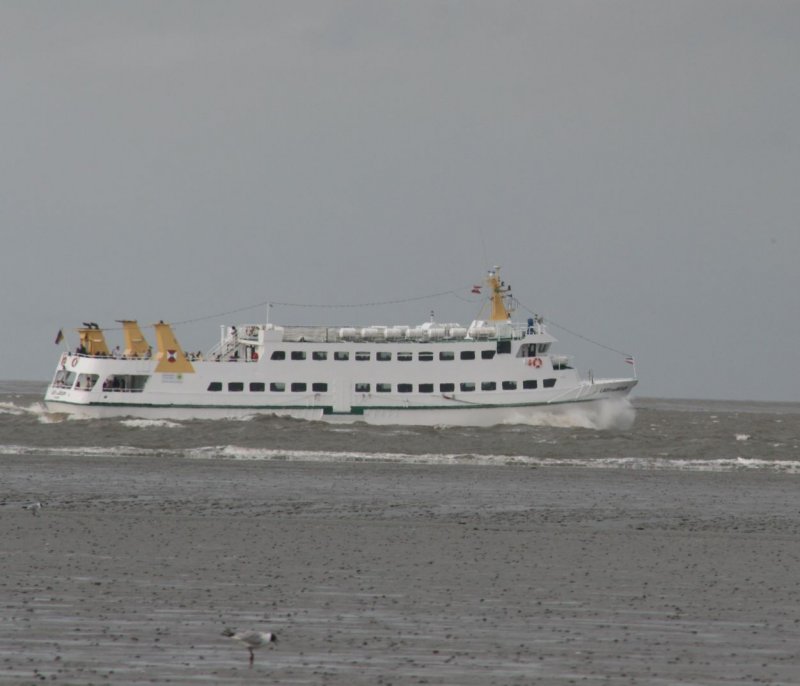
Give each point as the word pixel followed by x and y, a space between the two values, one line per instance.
pixel 641 434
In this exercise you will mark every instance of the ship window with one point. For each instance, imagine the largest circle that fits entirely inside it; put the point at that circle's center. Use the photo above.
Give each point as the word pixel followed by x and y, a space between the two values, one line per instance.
pixel 339 355
pixel 128 383
pixel 278 355
pixel 549 383
pixel 277 387
pixel 503 347
pixel 383 387
pixel 487 354
pixel 404 357
pixel 529 384
pixel 236 386
pixel 447 355
pixel 257 387
pixel 362 356
pixel 447 387
pixel 426 388
pixel 319 387
pixel 362 388
pixel 65 379
pixel 509 385
pixel 543 348
pixel 404 388
pixel 86 382
pixel 425 357
pixel 319 355
pixel 467 354
pixel 466 386
pixel 383 357
pixel 298 354
pixel 215 386
pixel 488 386
pixel 298 387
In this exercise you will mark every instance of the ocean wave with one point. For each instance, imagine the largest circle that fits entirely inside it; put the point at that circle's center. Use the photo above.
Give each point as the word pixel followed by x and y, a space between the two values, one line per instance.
pixel 233 452
pixel 150 423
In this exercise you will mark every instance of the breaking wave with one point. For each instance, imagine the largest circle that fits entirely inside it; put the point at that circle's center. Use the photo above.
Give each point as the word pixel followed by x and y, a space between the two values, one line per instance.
pixel 232 452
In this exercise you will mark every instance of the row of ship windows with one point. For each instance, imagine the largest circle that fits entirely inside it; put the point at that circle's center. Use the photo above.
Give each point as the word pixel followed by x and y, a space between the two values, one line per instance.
pixel 382 356
pixel 301 387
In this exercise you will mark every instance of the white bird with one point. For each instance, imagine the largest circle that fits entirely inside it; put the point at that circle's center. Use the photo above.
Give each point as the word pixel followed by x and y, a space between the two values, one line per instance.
pixel 252 639
pixel 33 507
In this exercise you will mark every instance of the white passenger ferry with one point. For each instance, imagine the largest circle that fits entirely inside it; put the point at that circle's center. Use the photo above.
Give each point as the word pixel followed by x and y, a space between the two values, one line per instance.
pixel 491 372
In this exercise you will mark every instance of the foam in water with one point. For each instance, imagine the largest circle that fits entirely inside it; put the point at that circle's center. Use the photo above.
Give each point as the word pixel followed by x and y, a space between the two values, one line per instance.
pixel 613 413
pixel 150 423
pixel 233 452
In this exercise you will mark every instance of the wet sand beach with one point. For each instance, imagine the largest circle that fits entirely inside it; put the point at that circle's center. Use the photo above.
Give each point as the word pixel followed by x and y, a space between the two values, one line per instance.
pixel 396 574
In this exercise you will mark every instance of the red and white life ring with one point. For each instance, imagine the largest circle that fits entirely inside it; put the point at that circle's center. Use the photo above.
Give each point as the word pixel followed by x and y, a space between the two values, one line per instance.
pixel 74 361
pixel 535 362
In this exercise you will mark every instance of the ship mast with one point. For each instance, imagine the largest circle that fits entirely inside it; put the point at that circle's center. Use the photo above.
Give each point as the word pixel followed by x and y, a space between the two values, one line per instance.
pixel 501 297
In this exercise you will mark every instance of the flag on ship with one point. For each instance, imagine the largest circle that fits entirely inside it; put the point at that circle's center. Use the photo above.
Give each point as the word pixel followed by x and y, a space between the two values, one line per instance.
pixel 59 336
pixel 476 289
pixel 630 360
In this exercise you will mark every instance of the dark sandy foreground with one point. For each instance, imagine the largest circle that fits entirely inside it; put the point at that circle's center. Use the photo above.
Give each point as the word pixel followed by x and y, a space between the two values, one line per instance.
pixel 378 574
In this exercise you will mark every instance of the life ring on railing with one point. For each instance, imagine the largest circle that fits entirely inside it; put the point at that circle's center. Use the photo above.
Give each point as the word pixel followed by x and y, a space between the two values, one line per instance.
pixel 63 360
pixel 254 356
pixel 74 361
pixel 535 362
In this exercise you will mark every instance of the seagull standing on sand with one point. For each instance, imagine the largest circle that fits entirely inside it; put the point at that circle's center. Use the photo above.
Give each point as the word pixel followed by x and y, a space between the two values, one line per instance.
pixel 33 507
pixel 251 639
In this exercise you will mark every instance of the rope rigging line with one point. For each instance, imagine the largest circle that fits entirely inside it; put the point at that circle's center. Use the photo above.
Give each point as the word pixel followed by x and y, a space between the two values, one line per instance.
pixel 576 334
pixel 319 306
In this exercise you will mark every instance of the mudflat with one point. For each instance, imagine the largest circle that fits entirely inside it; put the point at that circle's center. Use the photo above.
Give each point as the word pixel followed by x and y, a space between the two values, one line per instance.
pixel 391 573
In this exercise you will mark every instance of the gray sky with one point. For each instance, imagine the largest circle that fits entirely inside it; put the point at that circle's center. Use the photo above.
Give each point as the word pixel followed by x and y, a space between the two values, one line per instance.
pixel 633 166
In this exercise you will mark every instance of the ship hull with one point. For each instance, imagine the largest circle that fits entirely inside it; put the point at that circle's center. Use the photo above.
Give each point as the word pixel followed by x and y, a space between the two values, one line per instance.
pixel 592 399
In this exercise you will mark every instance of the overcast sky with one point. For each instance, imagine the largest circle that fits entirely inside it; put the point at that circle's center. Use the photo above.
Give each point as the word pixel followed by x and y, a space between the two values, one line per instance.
pixel 633 166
